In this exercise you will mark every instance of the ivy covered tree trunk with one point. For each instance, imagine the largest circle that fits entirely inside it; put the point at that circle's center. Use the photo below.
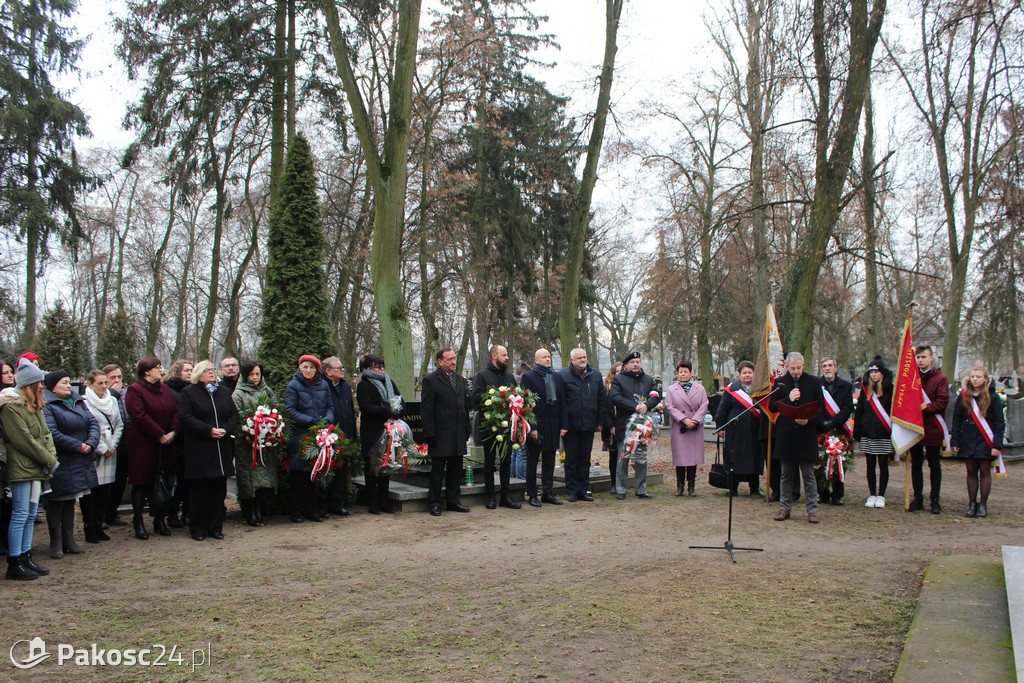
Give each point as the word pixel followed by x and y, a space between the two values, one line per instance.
pixel 569 311
pixel 295 314
pixel 386 166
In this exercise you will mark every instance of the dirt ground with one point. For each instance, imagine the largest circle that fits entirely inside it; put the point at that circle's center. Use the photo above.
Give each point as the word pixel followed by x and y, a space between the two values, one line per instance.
pixel 602 591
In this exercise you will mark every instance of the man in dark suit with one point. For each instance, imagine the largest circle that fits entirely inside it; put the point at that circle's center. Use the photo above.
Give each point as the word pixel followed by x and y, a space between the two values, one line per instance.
pixel 496 374
pixel 552 423
pixel 445 414
pixel 796 440
pixel 841 392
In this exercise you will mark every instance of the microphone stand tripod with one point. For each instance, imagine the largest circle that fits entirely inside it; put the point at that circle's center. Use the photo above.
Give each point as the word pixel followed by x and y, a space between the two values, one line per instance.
pixel 728 545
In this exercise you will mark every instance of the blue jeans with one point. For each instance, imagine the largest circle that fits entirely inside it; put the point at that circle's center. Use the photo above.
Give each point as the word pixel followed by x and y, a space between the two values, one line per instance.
pixel 24 505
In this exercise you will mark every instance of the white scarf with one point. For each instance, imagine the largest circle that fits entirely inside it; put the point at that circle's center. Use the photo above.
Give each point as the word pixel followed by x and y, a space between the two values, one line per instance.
pixel 106 405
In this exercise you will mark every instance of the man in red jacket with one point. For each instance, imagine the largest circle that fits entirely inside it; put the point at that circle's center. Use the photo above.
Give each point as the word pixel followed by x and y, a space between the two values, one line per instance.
pixel 936 386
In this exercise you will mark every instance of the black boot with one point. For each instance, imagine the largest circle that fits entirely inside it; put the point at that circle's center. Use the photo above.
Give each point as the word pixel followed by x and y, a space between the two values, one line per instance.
pixel 982 510
pixel 26 560
pixel 140 528
pixel 917 504
pixel 90 533
pixel 174 522
pixel 972 510
pixel 17 570
pixel 248 506
pixel 67 529
pixel 53 517
pixel 160 526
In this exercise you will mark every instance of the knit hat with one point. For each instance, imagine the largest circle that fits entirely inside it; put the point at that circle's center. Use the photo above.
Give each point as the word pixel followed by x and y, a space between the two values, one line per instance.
pixel 630 356
pixel 311 358
pixel 31 356
pixel 51 379
pixel 27 374
pixel 877 364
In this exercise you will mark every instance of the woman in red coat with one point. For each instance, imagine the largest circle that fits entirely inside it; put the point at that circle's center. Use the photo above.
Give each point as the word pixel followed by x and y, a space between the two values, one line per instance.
pixel 154 417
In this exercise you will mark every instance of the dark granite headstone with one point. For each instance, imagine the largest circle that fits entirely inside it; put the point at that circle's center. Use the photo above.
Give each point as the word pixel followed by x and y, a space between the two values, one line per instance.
pixel 414 419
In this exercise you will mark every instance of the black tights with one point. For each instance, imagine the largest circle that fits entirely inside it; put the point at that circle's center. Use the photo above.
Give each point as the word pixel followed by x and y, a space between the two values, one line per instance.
pixel 883 471
pixel 979 471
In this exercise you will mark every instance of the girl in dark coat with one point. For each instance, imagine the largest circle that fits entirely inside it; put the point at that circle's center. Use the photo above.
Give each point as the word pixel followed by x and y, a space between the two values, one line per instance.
pixel 154 417
pixel 873 433
pixel 75 435
pixel 379 401
pixel 307 400
pixel 208 421
pixel 973 445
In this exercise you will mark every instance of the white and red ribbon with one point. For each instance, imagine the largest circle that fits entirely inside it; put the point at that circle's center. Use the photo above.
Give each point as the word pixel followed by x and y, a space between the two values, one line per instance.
pixel 833 410
pixel 393 451
pixel 744 399
pixel 264 424
pixel 876 406
pixel 938 418
pixel 982 424
pixel 642 431
pixel 834 449
pixel 325 440
pixel 519 427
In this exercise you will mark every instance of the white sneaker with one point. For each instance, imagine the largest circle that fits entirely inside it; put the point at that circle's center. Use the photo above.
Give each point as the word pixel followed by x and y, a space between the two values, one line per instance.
pixel 879 501
pixel 870 502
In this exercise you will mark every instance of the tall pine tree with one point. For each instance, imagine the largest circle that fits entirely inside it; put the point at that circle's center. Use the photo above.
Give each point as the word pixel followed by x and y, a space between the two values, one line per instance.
pixel 117 342
pixel 295 315
pixel 59 343
pixel 40 178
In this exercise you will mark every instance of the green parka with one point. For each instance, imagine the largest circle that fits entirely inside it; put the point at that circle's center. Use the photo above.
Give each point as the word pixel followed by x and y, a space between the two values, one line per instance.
pixel 31 455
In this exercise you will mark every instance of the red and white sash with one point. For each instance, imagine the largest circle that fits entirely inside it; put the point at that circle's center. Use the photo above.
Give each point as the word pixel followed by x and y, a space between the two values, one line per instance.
pixel 939 419
pixel 833 410
pixel 744 399
pixel 876 406
pixel 982 424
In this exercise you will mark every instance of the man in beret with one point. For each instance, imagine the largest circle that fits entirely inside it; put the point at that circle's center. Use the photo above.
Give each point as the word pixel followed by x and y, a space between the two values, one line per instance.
pixel 632 391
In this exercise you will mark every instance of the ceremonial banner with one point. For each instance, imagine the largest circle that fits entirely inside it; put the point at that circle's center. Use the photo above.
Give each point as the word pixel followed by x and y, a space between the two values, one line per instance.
pixel 771 361
pixel 907 418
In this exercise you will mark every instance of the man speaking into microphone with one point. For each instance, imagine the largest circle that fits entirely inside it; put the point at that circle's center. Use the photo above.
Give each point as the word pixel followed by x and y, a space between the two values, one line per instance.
pixel 798 399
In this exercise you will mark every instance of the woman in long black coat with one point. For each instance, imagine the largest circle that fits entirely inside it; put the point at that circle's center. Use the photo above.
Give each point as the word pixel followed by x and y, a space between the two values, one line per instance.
pixel 208 418
pixel 379 401
pixel 742 450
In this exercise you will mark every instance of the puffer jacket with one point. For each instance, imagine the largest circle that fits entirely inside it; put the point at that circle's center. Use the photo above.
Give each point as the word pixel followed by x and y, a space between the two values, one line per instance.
pixel 30 451
pixel 71 426
pixel 307 404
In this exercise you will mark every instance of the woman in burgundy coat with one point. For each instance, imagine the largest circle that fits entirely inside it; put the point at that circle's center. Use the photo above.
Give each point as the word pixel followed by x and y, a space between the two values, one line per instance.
pixel 154 416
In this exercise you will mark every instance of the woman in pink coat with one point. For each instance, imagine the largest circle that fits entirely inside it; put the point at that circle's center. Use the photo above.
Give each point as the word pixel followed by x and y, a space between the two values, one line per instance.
pixel 687 403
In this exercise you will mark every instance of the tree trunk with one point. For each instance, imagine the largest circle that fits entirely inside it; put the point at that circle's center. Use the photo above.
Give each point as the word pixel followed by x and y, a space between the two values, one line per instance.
pixel 389 177
pixel 277 116
pixel 292 59
pixel 870 232
pixel 831 164
pixel 580 220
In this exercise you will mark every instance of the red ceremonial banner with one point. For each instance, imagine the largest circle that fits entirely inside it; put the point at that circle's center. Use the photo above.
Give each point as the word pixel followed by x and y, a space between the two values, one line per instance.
pixel 907 418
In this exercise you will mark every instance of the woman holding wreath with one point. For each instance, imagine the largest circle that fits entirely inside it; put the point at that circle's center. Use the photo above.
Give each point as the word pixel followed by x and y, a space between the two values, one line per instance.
pixel 379 401
pixel 252 475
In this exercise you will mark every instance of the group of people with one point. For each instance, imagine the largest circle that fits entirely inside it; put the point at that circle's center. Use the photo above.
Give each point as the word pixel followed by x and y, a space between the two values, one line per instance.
pixel 172 436
pixel 975 435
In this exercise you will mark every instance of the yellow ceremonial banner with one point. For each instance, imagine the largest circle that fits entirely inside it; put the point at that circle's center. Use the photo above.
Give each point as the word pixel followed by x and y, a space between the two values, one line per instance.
pixel 771 361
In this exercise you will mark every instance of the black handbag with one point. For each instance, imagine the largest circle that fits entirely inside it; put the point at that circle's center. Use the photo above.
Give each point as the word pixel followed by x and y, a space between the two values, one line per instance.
pixel 718 476
pixel 164 489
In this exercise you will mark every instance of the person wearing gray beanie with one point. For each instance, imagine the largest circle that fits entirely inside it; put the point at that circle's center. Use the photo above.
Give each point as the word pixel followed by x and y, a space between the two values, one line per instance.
pixel 27 374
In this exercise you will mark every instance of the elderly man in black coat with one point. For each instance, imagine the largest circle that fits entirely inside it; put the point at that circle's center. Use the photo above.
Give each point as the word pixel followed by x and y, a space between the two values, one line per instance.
pixel 841 392
pixel 496 374
pixel 552 424
pixel 796 440
pixel 444 410
pixel 345 419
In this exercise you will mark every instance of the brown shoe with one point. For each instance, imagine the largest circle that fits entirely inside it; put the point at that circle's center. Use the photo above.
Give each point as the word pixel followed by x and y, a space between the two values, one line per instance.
pixel 782 516
pixel 812 517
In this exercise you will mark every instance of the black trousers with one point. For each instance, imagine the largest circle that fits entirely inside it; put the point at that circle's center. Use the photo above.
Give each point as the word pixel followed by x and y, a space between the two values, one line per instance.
pixel 116 491
pixel 547 469
pixel 578 446
pixel 504 470
pixel 304 497
pixel 94 504
pixel 206 504
pixel 337 492
pixel 449 471
pixel 917 457
pixel 376 488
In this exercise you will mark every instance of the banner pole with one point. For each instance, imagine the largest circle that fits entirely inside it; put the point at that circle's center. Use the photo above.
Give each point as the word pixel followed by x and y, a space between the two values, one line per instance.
pixel 768 464
pixel 906 483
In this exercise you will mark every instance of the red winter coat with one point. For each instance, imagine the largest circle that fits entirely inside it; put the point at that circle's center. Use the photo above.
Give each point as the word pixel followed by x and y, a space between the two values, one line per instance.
pixel 154 413
pixel 936 386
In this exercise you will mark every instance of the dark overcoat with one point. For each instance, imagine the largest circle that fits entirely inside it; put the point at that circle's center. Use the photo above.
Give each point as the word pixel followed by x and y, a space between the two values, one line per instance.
pixel 445 413
pixel 488 377
pixel 71 427
pixel 742 448
pixel 793 441
pixel 374 411
pixel 842 394
pixel 586 399
pixel 153 413
pixel 344 408
pixel 965 434
pixel 551 417
pixel 199 412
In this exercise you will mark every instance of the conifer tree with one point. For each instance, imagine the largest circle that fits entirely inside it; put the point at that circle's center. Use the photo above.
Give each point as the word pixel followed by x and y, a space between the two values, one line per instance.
pixel 59 343
pixel 117 342
pixel 295 314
